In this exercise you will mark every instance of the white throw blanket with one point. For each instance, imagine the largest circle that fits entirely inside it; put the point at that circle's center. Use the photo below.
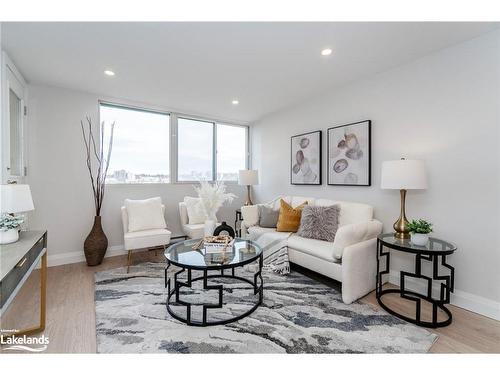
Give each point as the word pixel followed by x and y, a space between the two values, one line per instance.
pixel 275 251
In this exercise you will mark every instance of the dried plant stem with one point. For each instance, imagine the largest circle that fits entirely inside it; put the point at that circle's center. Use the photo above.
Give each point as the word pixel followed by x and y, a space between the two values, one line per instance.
pixel 98 174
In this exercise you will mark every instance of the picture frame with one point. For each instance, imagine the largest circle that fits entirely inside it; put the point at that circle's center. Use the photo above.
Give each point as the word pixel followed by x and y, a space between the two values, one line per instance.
pixel 349 154
pixel 305 158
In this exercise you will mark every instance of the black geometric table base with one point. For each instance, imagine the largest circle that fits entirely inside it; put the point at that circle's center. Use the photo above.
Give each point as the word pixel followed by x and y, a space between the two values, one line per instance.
pixel 258 288
pixel 437 304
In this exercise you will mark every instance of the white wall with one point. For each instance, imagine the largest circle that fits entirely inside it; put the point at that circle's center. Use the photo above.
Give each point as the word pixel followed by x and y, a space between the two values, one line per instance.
pixel 60 184
pixel 444 109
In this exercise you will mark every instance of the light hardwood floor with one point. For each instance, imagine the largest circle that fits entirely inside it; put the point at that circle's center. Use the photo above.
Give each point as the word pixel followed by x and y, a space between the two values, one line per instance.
pixel 71 312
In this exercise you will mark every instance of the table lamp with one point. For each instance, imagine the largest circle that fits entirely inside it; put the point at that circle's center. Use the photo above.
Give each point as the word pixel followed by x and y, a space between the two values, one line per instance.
pixel 403 175
pixel 248 177
pixel 15 198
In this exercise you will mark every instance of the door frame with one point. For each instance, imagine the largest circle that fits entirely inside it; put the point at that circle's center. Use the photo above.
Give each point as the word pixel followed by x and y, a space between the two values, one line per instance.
pixel 12 79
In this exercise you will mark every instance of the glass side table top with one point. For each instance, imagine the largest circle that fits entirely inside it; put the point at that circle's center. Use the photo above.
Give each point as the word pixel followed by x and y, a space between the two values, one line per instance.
pixel 434 246
pixel 242 252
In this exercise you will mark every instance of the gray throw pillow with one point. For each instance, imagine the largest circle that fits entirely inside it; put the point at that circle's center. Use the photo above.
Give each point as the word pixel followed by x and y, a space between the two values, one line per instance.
pixel 320 223
pixel 268 218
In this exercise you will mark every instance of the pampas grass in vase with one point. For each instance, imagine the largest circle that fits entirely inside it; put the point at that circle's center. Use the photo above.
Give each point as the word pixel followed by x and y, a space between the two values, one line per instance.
pixel 212 197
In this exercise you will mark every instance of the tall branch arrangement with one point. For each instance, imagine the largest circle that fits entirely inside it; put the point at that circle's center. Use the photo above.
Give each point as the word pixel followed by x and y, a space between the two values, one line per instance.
pixel 97 162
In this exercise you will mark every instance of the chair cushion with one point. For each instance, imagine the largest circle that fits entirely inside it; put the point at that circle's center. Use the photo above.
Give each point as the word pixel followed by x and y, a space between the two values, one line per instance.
pixel 289 217
pixel 196 215
pixel 319 223
pixel 145 214
pixel 195 230
pixel 320 249
pixel 146 238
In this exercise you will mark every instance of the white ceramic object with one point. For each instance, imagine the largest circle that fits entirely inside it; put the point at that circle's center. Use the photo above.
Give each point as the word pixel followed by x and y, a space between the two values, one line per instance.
pixel 8 236
pixel 209 227
pixel 419 239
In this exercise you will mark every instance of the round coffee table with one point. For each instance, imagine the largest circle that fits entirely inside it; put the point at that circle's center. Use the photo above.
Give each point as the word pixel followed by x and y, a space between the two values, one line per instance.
pixel 435 251
pixel 216 267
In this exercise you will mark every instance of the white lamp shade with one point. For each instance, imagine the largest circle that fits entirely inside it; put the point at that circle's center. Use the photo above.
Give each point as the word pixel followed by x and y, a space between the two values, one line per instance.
pixel 15 198
pixel 248 177
pixel 403 174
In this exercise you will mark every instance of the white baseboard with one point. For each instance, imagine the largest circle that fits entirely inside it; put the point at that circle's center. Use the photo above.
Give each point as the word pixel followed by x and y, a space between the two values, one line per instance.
pixel 459 298
pixel 78 256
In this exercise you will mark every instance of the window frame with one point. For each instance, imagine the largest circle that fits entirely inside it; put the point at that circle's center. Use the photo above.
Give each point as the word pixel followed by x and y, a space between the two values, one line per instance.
pixel 173 133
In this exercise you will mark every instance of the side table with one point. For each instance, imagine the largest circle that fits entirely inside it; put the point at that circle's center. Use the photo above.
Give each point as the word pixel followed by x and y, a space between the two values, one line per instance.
pixel 435 251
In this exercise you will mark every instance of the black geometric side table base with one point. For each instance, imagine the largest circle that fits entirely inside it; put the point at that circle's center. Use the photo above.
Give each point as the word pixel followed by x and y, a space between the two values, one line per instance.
pixel 421 254
pixel 256 282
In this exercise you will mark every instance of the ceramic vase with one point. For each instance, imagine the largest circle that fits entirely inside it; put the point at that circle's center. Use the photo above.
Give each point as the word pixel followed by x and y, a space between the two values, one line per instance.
pixel 9 236
pixel 419 239
pixel 209 227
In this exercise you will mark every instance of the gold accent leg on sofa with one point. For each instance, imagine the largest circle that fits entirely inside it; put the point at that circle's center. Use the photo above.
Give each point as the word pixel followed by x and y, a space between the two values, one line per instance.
pixel 129 260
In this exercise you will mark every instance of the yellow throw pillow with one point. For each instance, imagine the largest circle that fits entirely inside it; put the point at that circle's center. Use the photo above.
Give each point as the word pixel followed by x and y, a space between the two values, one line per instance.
pixel 289 218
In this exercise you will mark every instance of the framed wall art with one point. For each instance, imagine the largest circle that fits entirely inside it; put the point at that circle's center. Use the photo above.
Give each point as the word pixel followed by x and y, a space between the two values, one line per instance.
pixel 349 154
pixel 305 162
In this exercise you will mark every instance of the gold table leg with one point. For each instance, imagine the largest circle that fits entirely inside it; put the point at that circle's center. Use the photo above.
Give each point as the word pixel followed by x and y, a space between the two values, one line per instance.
pixel 43 303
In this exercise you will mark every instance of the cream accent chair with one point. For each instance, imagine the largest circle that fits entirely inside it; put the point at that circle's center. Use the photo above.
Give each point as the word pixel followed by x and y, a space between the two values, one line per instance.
pixel 190 230
pixel 143 239
pixel 350 258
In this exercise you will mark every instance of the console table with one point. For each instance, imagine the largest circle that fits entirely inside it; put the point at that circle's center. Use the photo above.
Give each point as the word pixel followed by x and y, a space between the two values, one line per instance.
pixel 434 251
pixel 17 262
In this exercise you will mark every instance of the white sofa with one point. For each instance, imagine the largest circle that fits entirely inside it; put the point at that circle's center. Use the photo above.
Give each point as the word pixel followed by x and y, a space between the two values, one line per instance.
pixel 350 258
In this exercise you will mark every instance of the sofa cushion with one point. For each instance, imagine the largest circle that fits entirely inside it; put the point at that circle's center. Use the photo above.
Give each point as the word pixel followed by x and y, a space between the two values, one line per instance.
pixel 145 214
pixel 320 249
pixel 289 217
pixel 268 217
pixel 146 238
pixel 194 230
pixel 297 201
pixel 350 212
pixel 319 223
pixel 256 231
pixel 196 215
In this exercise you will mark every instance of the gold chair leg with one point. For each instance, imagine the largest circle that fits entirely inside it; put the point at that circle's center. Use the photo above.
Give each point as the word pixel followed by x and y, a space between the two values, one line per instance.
pixel 129 260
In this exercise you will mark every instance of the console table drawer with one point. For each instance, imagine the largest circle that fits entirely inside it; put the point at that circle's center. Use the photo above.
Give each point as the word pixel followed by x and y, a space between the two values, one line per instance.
pixel 15 275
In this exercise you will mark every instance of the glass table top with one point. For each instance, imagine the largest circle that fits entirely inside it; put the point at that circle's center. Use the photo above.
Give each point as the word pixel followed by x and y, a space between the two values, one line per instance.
pixel 183 254
pixel 434 246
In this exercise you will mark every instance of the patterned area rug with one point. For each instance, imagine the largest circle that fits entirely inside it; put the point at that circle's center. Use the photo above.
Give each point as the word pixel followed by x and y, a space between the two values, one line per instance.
pixel 298 315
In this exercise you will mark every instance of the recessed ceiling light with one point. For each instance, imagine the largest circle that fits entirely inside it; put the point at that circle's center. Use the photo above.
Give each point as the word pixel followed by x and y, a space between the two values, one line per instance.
pixel 326 52
pixel 235 101
pixel 109 73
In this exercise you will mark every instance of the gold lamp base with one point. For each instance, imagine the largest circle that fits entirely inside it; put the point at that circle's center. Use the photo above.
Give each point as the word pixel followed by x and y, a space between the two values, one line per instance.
pixel 249 200
pixel 400 226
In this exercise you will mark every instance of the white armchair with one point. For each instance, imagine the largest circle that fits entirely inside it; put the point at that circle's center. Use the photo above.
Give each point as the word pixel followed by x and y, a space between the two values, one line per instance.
pixel 193 227
pixel 158 234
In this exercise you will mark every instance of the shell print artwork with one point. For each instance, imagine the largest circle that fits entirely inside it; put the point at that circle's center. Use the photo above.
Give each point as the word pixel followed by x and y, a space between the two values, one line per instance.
pixel 340 165
pixel 349 151
pixel 306 159
pixel 351 179
pixel 304 142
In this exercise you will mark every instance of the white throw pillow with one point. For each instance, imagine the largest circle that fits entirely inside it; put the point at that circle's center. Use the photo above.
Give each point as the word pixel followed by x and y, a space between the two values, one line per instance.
pixel 196 214
pixel 145 214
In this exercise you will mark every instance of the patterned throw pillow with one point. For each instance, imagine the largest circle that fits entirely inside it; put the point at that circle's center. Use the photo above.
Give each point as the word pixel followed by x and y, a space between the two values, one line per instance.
pixel 319 223
pixel 289 218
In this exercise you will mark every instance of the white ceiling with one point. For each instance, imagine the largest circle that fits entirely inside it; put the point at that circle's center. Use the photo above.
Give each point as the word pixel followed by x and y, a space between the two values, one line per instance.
pixel 200 67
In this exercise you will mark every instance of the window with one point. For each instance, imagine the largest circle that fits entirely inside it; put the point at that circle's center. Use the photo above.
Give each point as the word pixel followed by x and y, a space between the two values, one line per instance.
pixel 231 151
pixel 195 150
pixel 141 145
